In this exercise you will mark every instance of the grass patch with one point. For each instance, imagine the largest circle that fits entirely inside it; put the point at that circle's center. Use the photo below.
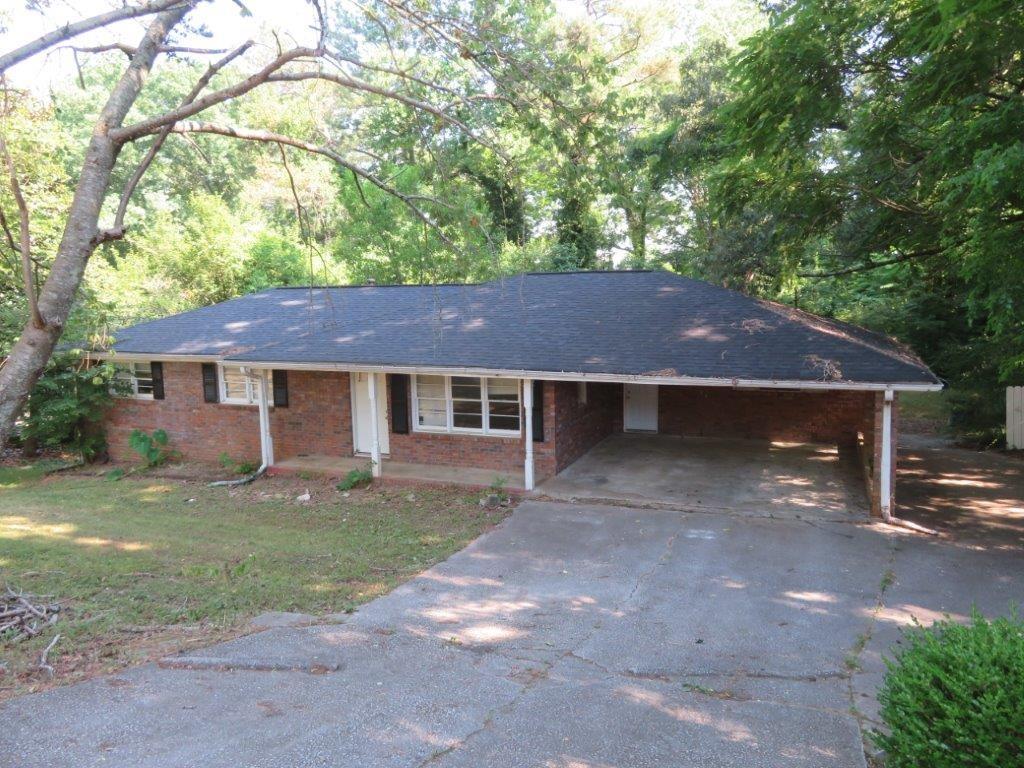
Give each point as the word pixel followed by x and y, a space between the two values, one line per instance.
pixel 925 406
pixel 148 566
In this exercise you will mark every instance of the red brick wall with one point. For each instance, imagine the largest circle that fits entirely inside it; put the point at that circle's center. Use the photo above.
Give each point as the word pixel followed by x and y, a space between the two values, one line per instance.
pixel 317 420
pixel 770 414
pixel 580 426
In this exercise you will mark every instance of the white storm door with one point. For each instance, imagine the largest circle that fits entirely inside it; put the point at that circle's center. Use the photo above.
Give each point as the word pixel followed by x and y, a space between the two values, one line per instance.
pixel 361 433
pixel 640 402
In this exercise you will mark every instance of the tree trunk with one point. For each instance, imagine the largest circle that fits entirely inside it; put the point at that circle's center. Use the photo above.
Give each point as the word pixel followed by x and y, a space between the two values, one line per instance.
pixel 636 228
pixel 30 354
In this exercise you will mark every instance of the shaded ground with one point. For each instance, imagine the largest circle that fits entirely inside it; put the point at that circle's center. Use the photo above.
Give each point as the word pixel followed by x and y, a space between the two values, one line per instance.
pixel 573 636
pixel 750 476
pixel 147 566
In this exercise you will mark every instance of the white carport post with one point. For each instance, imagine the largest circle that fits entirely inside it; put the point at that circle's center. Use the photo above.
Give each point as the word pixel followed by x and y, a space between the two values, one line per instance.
pixel 371 386
pixel 266 441
pixel 885 481
pixel 528 415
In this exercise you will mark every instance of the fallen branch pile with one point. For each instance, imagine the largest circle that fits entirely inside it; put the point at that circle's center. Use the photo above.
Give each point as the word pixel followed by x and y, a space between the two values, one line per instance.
pixel 23 616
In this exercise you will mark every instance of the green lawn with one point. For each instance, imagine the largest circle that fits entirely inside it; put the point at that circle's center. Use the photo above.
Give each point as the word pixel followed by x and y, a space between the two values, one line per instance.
pixel 149 566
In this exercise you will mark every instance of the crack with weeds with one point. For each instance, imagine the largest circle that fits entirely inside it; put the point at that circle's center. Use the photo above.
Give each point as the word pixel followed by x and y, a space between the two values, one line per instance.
pixel 853 657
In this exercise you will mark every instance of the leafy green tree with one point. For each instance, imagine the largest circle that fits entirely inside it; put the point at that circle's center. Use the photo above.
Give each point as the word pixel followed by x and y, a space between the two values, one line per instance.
pixel 881 137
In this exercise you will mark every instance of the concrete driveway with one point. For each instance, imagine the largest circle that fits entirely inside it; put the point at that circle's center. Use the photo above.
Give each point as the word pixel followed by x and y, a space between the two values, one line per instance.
pixel 757 477
pixel 572 636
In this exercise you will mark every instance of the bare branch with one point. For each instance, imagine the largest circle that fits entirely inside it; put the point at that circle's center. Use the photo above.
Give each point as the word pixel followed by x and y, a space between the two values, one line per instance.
pixel 25 243
pixel 129 188
pixel 922 254
pixel 75 29
pixel 185 111
pixel 361 85
pixel 268 137
pixel 131 50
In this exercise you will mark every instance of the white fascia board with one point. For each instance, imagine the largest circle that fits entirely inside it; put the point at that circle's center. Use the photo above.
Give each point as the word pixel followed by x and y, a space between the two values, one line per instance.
pixel 133 356
pixel 684 381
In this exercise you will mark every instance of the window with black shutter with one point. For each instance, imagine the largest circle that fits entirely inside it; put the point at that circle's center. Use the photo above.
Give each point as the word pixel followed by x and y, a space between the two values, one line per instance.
pixel 280 379
pixel 211 392
pixel 400 403
pixel 157 370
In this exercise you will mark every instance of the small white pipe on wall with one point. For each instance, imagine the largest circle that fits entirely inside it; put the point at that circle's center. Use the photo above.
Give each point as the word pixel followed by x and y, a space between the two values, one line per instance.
pixel 528 432
pixel 371 386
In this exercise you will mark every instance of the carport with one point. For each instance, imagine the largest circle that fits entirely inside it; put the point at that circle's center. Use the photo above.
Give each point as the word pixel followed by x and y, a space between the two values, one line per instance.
pixel 780 452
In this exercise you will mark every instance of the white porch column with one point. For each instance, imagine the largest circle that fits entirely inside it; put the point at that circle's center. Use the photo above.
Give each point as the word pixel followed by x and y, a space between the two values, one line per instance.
pixel 885 481
pixel 528 415
pixel 371 385
pixel 266 440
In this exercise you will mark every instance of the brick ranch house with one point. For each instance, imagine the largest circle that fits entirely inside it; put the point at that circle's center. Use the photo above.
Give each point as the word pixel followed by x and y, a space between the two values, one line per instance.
pixel 519 377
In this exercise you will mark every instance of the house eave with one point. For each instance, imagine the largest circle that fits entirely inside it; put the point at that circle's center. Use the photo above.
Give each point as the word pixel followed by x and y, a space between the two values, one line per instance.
pixel 613 378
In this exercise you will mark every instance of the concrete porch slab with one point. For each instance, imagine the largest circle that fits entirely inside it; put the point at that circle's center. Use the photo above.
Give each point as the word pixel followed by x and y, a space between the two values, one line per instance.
pixel 758 477
pixel 402 471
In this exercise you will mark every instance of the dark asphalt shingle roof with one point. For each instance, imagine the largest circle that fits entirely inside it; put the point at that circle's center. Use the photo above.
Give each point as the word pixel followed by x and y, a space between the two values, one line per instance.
pixel 625 323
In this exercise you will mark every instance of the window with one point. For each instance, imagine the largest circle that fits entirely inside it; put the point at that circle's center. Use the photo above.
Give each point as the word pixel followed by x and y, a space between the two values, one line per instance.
pixel 466 404
pixel 136 380
pixel 236 388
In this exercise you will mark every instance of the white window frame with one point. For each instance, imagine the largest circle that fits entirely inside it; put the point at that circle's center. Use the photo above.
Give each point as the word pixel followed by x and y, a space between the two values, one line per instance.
pixel 449 427
pixel 133 380
pixel 251 394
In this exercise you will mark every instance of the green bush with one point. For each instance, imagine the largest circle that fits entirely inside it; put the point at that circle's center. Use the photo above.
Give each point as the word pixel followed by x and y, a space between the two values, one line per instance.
pixel 954 696
pixel 67 405
pixel 355 478
pixel 152 448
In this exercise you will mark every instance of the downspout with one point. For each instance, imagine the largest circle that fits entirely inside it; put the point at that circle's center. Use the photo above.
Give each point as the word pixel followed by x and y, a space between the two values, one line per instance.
pixel 528 415
pixel 266 441
pixel 371 387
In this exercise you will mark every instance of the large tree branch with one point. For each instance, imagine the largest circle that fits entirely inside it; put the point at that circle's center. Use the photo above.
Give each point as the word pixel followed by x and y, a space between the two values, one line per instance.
pixel 25 239
pixel 117 230
pixel 922 254
pixel 185 111
pixel 77 28
pixel 361 85
pixel 268 137
pixel 131 50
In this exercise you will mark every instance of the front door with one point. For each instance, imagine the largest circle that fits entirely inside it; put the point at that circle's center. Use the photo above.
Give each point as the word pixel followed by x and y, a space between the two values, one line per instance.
pixel 641 407
pixel 361 434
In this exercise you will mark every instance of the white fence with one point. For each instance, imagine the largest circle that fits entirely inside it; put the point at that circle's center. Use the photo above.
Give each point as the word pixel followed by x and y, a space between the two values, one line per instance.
pixel 1015 418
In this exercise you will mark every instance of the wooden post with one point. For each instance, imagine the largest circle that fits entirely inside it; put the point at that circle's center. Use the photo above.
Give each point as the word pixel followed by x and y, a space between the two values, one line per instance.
pixel 528 416
pixel 371 384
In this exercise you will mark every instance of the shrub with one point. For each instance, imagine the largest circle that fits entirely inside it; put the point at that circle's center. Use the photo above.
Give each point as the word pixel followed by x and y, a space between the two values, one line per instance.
pixel 67 405
pixel 355 478
pixel 242 467
pixel 954 696
pixel 152 448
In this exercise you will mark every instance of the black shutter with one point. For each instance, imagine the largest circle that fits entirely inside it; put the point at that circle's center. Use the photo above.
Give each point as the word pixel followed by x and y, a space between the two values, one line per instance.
pixel 400 403
pixel 157 369
pixel 538 411
pixel 280 389
pixel 211 393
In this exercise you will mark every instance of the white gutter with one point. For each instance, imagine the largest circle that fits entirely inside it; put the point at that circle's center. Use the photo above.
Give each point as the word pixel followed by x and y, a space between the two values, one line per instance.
pixel 528 415
pixel 685 381
pixel 136 356
pixel 690 381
